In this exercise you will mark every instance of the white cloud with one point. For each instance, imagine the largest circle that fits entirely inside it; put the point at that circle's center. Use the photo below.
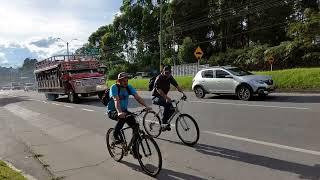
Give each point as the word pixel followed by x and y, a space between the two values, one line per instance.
pixel 26 26
pixel 3 59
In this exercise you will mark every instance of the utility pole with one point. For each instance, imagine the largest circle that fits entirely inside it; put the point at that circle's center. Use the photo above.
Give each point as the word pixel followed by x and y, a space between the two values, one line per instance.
pixel 160 33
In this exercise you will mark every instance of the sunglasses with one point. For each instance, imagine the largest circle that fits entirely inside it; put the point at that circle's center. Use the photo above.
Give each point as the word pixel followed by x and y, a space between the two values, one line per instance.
pixel 167 72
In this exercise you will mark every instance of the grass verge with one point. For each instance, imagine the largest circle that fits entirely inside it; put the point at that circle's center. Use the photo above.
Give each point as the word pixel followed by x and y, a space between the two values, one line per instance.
pixel 6 173
pixel 294 79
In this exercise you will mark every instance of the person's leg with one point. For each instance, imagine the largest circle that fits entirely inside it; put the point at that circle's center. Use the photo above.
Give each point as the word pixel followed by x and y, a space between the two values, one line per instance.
pixel 168 111
pixel 135 129
pixel 167 108
pixel 117 129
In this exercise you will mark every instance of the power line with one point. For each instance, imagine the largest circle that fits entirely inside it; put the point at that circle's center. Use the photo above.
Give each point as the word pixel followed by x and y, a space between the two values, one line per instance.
pixel 230 11
pixel 253 30
pixel 206 23
pixel 189 27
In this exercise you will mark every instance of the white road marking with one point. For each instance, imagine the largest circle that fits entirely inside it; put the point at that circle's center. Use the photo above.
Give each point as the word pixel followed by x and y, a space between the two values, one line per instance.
pixel 68 106
pixel 31 99
pixel 45 102
pixel 90 110
pixel 252 105
pixel 56 104
pixel 265 143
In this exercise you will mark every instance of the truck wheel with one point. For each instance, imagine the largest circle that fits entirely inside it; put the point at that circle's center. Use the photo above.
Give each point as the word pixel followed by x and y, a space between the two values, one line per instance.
pixel 73 97
pixel 51 97
pixel 84 95
pixel 100 94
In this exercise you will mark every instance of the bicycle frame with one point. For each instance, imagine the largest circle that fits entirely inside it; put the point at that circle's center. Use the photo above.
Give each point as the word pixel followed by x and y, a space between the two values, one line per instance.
pixel 136 135
pixel 176 111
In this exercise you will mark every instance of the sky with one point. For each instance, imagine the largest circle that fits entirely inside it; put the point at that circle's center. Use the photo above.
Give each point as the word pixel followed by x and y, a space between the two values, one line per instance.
pixel 31 28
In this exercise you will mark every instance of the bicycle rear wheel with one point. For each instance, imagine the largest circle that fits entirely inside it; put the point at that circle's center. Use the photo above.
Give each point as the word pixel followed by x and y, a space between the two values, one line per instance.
pixel 150 158
pixel 152 124
pixel 187 129
pixel 115 151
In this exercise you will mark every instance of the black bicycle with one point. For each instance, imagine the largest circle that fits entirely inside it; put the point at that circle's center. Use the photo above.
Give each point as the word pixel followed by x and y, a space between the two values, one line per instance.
pixel 146 151
pixel 186 127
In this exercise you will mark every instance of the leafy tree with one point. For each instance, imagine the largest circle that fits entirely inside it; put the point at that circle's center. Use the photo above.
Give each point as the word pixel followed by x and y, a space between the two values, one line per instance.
pixel 186 51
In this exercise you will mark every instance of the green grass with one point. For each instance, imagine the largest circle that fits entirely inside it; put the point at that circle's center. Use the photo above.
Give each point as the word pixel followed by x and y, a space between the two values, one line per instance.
pixel 6 173
pixel 300 79
pixel 296 79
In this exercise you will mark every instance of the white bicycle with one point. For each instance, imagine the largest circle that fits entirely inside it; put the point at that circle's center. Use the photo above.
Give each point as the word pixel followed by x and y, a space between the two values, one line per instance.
pixel 186 126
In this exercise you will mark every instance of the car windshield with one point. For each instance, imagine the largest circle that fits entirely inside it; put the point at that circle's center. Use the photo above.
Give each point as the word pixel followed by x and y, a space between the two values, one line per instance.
pixel 239 72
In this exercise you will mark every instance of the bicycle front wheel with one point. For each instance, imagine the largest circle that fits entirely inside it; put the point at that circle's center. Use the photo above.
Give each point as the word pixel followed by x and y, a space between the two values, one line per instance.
pixel 187 129
pixel 150 158
pixel 115 150
pixel 152 124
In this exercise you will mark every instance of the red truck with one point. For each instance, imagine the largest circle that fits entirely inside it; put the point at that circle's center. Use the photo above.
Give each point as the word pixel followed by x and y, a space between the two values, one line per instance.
pixel 71 75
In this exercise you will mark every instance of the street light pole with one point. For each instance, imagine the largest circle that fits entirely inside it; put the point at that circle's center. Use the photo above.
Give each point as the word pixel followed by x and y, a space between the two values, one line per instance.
pixel 67 45
pixel 68 50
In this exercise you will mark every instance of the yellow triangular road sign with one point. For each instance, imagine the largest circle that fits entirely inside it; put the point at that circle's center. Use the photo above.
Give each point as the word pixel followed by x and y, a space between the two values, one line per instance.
pixel 198 53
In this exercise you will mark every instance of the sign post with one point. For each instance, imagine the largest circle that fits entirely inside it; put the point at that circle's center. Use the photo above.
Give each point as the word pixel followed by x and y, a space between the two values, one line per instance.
pixel 271 61
pixel 198 54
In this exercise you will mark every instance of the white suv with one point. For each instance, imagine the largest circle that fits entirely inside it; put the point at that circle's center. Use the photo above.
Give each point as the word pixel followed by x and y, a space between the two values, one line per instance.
pixel 231 80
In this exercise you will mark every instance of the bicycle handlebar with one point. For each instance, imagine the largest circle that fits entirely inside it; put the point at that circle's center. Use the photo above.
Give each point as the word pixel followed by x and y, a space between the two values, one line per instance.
pixel 183 98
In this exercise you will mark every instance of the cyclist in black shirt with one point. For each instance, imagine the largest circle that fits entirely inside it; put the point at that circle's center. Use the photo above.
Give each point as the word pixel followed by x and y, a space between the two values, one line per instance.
pixel 160 91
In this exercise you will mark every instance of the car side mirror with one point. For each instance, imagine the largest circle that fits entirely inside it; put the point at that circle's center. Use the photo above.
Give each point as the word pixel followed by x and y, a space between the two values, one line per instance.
pixel 229 76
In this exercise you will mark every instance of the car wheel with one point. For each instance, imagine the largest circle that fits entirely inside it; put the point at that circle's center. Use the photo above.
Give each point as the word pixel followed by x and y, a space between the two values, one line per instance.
pixel 244 93
pixel 199 91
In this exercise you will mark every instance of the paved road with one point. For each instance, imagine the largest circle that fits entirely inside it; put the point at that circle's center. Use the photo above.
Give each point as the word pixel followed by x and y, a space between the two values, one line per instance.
pixel 273 139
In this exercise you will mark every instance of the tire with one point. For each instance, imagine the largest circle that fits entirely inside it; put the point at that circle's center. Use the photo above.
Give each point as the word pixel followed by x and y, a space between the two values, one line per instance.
pixel 51 97
pixel 84 95
pixel 112 148
pixel 73 97
pixel 144 147
pixel 183 126
pixel 199 92
pixel 244 93
pixel 100 94
pixel 152 124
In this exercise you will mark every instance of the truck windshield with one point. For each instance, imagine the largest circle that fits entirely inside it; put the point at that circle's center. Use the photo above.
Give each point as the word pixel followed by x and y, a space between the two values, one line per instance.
pixel 83 71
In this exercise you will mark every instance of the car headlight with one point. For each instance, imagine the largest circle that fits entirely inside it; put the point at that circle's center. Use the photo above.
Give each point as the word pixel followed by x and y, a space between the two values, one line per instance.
pixel 259 81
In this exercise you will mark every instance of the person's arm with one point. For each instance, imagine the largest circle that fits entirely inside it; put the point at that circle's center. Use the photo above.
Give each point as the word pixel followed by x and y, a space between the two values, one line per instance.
pixel 117 104
pixel 180 90
pixel 141 101
pixel 175 84
pixel 161 93
pixel 138 98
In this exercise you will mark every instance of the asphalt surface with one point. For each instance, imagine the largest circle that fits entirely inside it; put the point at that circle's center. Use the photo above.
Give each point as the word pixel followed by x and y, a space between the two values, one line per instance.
pixel 275 138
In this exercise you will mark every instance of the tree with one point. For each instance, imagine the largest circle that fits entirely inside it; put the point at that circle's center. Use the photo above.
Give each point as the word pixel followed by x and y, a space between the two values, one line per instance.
pixel 308 30
pixel 186 50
